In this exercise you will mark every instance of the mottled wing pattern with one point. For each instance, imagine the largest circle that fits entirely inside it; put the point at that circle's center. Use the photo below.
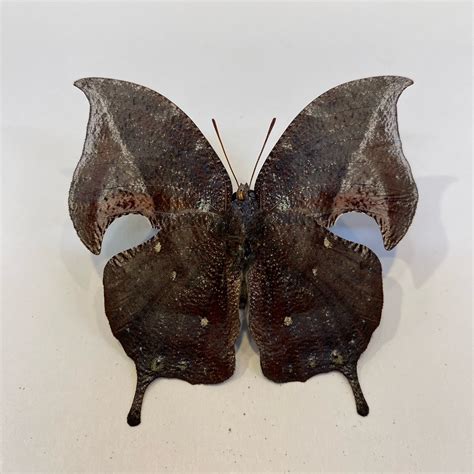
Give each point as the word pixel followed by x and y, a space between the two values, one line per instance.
pixel 315 299
pixel 173 302
pixel 343 153
pixel 142 155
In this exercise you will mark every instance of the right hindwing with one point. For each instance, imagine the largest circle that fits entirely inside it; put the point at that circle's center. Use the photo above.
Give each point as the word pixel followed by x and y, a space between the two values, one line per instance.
pixel 315 300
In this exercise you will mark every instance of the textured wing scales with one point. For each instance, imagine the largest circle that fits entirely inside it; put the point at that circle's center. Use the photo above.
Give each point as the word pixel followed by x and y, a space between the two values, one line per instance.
pixel 173 302
pixel 315 300
pixel 142 155
pixel 343 153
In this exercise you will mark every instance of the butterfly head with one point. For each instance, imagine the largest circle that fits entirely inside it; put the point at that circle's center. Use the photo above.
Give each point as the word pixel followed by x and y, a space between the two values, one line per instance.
pixel 242 192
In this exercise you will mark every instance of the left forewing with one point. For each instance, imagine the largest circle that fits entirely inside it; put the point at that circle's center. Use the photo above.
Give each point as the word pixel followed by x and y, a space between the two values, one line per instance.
pixel 142 155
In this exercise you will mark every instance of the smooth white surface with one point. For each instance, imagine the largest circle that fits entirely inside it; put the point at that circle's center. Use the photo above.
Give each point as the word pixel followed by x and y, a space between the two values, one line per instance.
pixel 67 384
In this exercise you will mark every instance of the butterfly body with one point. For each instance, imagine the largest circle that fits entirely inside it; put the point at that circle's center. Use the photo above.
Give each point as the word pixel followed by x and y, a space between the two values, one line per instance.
pixel 314 298
pixel 244 205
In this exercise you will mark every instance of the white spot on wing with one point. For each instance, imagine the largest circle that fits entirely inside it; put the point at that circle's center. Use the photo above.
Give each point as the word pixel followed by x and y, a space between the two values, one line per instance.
pixel 204 205
pixel 283 204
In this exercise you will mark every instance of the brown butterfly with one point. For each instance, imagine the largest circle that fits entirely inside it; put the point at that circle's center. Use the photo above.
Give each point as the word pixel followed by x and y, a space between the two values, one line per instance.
pixel 314 298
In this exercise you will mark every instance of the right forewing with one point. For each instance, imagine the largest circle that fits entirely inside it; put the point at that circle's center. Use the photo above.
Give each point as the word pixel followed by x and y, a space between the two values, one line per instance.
pixel 343 153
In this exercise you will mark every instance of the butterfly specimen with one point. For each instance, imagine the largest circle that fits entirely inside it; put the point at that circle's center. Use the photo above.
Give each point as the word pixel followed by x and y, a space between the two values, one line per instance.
pixel 314 298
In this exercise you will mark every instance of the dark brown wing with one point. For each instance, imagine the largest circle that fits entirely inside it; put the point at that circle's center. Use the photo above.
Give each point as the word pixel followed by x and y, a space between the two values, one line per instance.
pixel 142 155
pixel 343 153
pixel 173 302
pixel 315 300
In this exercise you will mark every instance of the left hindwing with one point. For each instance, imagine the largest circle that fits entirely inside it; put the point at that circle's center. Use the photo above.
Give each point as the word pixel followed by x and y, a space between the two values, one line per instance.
pixel 173 303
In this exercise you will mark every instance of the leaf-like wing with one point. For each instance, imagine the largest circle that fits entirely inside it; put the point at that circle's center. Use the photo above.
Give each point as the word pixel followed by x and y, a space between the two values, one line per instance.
pixel 343 153
pixel 173 302
pixel 315 300
pixel 143 155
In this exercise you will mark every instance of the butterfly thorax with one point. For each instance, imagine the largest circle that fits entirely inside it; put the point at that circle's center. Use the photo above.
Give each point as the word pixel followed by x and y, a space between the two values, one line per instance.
pixel 244 205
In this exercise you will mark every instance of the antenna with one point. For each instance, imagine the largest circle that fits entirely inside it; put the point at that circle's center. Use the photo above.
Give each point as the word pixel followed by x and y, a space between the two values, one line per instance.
pixel 223 149
pixel 263 147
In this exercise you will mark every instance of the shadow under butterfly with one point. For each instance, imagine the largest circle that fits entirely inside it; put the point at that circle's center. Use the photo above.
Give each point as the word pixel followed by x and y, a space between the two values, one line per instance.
pixel 314 298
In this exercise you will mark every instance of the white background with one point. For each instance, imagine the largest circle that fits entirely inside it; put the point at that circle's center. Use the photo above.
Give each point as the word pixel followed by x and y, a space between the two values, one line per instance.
pixel 67 384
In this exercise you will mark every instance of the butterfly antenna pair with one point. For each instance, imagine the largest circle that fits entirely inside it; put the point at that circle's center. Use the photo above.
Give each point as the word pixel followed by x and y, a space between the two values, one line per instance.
pixel 223 149
pixel 270 128
pixel 259 155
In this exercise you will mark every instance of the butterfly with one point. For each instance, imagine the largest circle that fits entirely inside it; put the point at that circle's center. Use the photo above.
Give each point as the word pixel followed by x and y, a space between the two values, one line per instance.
pixel 314 298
